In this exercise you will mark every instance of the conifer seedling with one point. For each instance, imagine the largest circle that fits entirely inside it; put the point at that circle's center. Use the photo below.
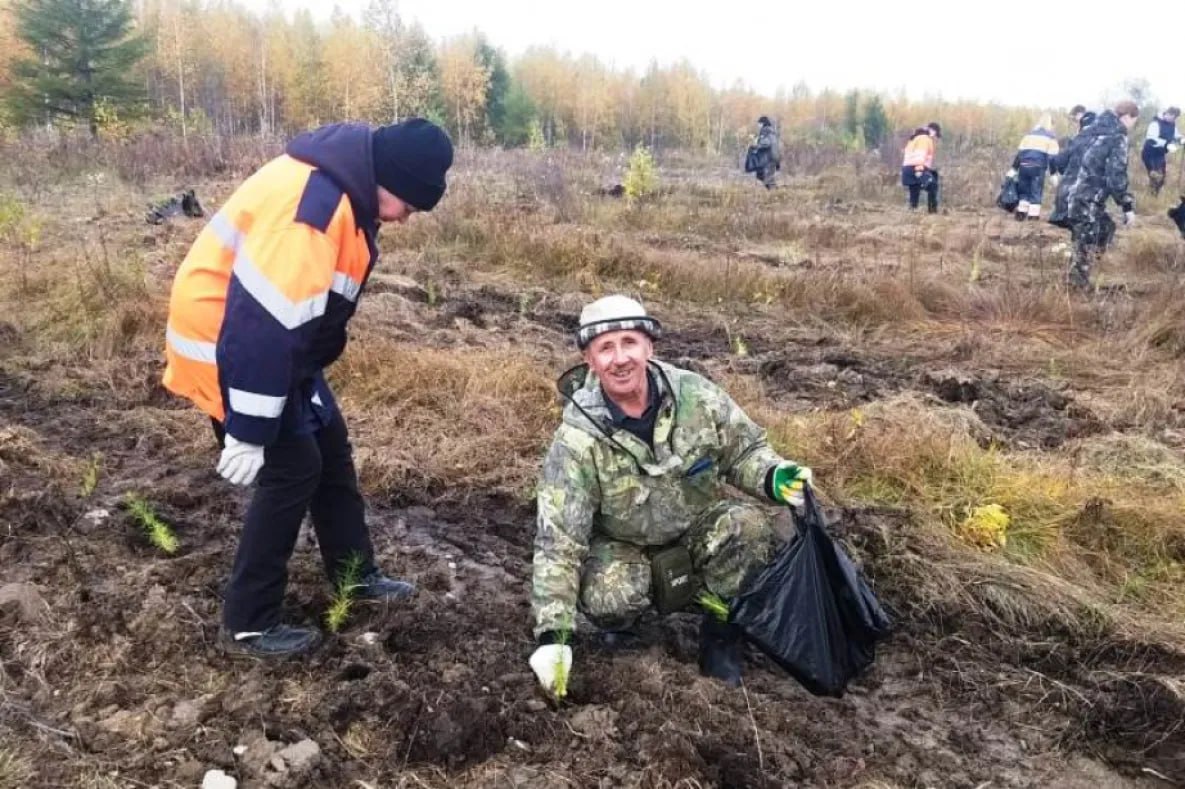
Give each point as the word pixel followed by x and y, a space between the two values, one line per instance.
pixel 343 595
pixel 159 533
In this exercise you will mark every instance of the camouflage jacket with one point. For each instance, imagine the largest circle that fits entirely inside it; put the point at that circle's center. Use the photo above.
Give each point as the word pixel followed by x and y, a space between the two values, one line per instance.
pixel 601 479
pixel 1095 169
pixel 769 145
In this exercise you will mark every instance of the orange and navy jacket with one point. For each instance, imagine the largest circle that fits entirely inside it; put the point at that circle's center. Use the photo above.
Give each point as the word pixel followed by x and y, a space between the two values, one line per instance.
pixel 919 152
pixel 260 304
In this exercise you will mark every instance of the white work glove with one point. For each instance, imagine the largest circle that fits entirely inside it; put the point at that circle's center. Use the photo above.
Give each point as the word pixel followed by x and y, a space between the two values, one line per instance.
pixel 548 660
pixel 240 462
pixel 1054 180
pixel 1129 218
pixel 1172 146
pixel 1010 174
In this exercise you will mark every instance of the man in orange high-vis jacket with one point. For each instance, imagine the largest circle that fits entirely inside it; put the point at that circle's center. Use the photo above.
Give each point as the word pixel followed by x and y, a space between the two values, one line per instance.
pixel 258 309
pixel 917 166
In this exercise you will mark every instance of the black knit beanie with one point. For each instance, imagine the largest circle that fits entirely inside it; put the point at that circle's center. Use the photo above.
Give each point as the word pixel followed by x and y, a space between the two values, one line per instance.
pixel 410 161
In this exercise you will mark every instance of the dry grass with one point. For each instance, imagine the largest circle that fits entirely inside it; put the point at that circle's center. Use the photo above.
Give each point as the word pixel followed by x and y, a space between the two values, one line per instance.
pixel 457 424
pixel 16 771
pixel 22 451
pixel 713 241
pixel 1151 250
pixel 1161 327
pixel 1112 506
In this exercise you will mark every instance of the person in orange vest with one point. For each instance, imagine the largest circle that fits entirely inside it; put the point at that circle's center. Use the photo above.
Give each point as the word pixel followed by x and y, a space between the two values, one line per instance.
pixel 917 166
pixel 258 310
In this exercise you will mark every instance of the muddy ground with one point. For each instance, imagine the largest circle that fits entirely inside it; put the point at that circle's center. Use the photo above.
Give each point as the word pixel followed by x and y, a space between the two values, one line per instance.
pixel 110 674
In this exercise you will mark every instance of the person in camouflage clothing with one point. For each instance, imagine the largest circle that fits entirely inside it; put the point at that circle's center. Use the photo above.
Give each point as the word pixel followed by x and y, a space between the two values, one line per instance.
pixel 765 155
pixel 635 476
pixel 1096 169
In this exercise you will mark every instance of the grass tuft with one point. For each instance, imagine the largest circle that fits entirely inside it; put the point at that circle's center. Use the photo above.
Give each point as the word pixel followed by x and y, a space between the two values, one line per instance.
pixel 16 772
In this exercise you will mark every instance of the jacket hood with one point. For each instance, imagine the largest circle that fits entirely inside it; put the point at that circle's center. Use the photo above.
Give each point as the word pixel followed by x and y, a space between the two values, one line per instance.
pixel 1106 125
pixel 343 152
pixel 586 408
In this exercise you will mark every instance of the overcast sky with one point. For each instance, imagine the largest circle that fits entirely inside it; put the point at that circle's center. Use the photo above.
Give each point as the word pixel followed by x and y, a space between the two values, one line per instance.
pixel 1054 56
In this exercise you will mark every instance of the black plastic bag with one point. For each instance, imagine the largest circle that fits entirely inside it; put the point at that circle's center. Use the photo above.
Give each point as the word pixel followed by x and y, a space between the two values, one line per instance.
pixel 1009 197
pixel 183 203
pixel 1177 214
pixel 811 611
pixel 757 159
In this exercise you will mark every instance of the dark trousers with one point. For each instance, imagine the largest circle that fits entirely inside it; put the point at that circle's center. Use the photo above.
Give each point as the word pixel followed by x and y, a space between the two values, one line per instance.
pixel 311 473
pixel 768 175
pixel 915 184
pixel 1155 162
pixel 1030 183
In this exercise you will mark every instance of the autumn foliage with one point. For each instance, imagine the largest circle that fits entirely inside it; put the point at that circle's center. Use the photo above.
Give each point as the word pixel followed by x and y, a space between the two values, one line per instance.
pixel 226 68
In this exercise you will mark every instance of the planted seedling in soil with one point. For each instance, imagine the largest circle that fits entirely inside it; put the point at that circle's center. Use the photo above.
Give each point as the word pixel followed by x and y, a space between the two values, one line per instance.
pixel 90 477
pixel 561 669
pixel 343 595
pixel 159 533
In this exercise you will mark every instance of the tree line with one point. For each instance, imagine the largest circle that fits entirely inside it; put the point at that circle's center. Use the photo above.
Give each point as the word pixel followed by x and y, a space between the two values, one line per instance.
pixel 214 66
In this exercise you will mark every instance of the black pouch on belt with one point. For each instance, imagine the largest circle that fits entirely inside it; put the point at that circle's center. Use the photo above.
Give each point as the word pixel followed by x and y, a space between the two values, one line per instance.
pixel 672 582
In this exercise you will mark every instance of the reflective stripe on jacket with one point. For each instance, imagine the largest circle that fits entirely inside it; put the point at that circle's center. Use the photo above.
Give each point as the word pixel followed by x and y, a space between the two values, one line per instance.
pixel 1037 148
pixel 260 304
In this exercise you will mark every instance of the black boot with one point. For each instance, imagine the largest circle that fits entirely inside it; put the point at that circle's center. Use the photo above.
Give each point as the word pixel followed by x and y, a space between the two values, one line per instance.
pixel 720 650
pixel 376 586
pixel 278 641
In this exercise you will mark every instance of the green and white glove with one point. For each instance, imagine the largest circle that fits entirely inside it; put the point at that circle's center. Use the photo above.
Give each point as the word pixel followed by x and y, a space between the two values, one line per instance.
pixel 787 481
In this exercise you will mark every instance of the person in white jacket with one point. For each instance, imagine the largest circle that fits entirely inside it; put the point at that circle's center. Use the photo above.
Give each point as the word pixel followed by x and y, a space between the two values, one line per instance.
pixel 1161 140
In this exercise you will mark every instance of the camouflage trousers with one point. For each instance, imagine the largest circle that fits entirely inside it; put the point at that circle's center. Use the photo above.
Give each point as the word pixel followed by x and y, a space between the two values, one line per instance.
pixel 768 175
pixel 728 542
pixel 1091 232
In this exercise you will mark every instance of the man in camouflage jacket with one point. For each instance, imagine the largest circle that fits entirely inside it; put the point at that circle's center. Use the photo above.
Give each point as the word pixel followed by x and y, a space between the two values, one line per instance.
pixel 639 465
pixel 1095 170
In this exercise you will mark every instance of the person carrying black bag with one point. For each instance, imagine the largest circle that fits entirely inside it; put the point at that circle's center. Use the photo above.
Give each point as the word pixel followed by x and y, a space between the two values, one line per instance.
pixel 635 510
pixel 764 157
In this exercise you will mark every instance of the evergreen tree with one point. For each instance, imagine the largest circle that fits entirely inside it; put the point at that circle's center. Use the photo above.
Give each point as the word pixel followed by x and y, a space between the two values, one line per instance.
pixel 876 123
pixel 83 55
pixel 851 115
pixel 419 77
pixel 498 87
pixel 519 116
